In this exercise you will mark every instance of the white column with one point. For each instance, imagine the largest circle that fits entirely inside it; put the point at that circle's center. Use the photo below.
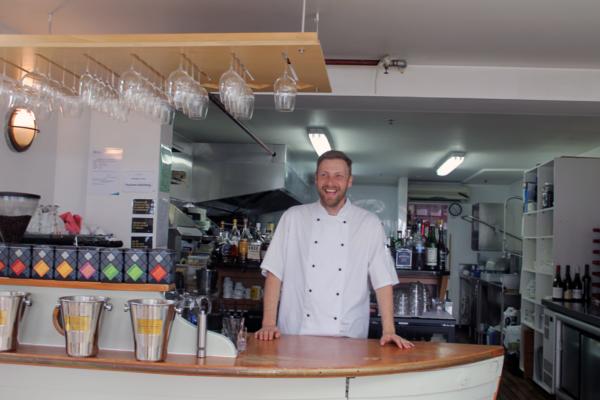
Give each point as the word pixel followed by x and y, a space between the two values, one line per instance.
pixel 402 203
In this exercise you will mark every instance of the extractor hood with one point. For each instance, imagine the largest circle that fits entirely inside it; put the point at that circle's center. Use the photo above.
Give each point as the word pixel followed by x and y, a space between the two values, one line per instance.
pixel 232 179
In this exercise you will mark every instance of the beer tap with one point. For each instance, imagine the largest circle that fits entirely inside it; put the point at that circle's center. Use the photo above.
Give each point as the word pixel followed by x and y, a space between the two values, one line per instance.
pixel 204 308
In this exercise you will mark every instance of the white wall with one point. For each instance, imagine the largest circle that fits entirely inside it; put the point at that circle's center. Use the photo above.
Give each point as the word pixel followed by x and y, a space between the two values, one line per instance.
pixel 32 171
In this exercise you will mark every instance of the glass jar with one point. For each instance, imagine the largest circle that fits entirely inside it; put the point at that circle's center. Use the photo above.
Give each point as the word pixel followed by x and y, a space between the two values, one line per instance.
pixel 547 195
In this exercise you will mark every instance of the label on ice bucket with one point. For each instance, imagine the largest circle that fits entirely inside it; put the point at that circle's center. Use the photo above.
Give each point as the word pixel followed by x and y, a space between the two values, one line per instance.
pixel 77 323
pixel 2 317
pixel 149 326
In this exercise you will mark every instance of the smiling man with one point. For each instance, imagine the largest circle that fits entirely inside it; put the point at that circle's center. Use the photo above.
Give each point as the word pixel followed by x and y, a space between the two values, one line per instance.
pixel 320 261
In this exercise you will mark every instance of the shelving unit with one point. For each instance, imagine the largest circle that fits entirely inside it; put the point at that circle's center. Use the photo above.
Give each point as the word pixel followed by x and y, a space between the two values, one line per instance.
pixel 553 236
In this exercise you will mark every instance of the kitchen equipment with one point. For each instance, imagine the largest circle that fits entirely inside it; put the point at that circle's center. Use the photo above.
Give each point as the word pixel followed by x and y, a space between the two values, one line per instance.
pixel 151 320
pixel 206 280
pixel 486 227
pixel 16 210
pixel 12 308
pixel 77 318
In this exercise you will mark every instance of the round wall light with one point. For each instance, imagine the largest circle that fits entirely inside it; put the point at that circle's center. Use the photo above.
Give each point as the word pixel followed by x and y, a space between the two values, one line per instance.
pixel 21 128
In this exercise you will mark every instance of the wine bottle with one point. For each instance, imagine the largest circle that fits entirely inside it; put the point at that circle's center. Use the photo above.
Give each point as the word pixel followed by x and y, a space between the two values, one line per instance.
pixel 431 245
pixel 419 249
pixel 587 285
pixel 577 288
pixel 442 250
pixel 557 286
pixel 568 285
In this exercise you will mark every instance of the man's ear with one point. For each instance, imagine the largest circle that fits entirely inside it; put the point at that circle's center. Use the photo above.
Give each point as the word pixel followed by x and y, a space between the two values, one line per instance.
pixel 350 181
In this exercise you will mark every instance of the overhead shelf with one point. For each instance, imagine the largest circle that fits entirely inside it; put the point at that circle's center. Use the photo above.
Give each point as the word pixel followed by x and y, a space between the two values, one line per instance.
pixel 261 53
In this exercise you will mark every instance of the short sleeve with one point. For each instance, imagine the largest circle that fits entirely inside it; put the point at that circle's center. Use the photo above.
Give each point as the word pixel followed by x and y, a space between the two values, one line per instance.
pixel 381 266
pixel 274 260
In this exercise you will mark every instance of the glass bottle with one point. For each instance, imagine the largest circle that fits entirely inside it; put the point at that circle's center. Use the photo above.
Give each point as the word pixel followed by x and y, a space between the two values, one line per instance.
pixel 577 288
pixel 568 285
pixel 587 285
pixel 432 251
pixel 557 286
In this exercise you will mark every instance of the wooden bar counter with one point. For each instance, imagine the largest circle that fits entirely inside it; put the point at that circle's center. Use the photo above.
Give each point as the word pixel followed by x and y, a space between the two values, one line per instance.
pixel 288 357
pixel 301 367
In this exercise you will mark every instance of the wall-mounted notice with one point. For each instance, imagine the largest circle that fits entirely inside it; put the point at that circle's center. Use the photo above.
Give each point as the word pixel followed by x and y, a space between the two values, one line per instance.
pixel 142 225
pixel 141 242
pixel 142 207
pixel 105 171
pixel 139 182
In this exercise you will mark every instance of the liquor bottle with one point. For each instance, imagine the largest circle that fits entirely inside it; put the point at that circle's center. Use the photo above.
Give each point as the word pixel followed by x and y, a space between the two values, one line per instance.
pixel 254 246
pixel 442 250
pixel 587 285
pixel 234 240
pixel 568 286
pixel 557 286
pixel 418 249
pixel 243 243
pixel 225 244
pixel 577 288
pixel 432 251
pixel 267 240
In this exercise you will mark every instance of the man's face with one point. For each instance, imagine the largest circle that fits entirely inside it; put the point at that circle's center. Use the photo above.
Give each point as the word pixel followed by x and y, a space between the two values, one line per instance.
pixel 333 180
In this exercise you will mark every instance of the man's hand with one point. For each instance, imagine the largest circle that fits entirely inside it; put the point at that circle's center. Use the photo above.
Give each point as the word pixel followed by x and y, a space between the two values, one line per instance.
pixel 393 338
pixel 267 332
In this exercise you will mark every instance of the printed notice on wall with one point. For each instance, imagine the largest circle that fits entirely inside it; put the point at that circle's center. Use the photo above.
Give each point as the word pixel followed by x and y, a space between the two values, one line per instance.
pixel 143 207
pixel 105 171
pixel 141 242
pixel 142 225
pixel 138 182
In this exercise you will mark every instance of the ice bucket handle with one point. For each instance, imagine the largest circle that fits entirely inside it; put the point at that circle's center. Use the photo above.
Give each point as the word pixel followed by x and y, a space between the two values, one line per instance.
pixel 57 320
pixel 26 302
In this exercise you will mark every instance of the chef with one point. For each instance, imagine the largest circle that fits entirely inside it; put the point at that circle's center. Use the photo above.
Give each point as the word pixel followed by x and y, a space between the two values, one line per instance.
pixel 320 261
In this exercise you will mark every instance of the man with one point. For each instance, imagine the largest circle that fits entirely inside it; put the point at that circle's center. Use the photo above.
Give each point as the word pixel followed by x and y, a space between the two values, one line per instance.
pixel 320 261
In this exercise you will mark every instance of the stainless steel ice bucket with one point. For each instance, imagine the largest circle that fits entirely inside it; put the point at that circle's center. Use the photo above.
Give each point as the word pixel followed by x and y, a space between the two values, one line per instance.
pixel 77 318
pixel 12 308
pixel 151 320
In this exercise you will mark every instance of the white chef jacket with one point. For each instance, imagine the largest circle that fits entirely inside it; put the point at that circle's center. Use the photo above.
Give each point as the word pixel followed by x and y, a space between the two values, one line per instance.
pixel 324 262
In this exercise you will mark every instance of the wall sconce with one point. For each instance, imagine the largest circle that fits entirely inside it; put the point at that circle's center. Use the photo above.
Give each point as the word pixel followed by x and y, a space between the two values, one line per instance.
pixel 21 128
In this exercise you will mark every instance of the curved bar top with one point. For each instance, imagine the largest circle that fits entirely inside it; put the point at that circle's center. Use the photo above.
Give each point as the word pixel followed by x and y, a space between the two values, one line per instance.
pixel 287 357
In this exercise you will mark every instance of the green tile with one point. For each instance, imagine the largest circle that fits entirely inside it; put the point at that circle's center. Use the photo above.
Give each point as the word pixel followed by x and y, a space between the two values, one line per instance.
pixel 135 272
pixel 110 271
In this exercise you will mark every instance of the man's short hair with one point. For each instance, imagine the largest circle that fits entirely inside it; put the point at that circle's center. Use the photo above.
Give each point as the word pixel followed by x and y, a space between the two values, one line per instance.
pixel 335 155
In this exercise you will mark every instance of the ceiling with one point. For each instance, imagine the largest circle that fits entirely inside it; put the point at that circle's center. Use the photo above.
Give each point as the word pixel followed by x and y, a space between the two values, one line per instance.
pixel 500 137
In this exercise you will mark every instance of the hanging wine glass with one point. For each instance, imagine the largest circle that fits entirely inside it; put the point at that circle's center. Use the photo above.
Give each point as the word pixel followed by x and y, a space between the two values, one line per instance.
pixel 285 90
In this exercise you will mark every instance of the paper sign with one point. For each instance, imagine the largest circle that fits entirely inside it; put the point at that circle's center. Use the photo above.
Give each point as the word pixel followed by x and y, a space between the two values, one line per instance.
pixel 105 171
pixel 138 182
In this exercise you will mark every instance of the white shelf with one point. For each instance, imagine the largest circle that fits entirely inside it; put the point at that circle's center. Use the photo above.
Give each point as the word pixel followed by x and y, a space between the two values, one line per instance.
pixel 532 326
pixel 531 300
pixel 540 211
pixel 538 237
pixel 531 271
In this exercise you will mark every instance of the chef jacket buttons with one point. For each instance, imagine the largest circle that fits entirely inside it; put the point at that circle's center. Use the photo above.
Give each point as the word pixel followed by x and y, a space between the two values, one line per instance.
pixel 316 241
pixel 307 315
pixel 313 265
pixel 335 318
pixel 337 294
pixel 318 219
pixel 339 269
pixel 309 290
pixel 342 244
pixel 344 221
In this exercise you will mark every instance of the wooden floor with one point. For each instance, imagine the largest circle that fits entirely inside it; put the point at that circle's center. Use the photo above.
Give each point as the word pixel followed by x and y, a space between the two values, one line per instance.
pixel 514 387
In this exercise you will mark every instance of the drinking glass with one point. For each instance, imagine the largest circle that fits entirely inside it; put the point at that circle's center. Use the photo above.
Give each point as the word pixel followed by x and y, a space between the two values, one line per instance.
pixel 285 90
pixel 231 86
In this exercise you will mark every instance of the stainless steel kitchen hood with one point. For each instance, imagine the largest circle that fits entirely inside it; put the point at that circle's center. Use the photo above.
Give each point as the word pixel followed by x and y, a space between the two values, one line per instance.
pixel 232 179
